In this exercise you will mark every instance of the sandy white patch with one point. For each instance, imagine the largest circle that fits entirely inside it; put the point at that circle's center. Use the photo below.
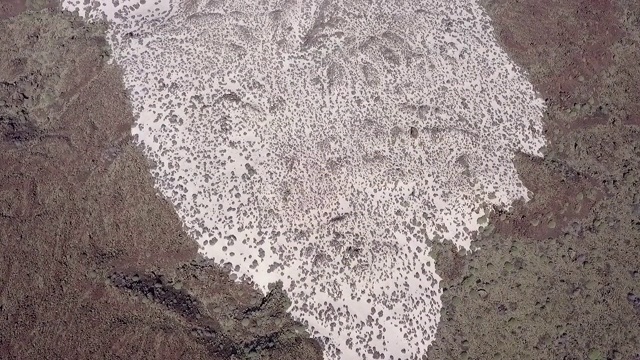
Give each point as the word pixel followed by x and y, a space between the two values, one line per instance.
pixel 325 143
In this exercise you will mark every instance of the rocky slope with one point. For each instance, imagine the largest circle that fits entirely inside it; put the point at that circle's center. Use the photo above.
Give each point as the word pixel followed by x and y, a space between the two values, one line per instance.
pixel 559 277
pixel 93 263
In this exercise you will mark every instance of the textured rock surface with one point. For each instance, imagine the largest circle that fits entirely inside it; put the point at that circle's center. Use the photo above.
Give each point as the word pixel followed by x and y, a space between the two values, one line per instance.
pixel 93 263
pixel 558 278
pixel 80 278
pixel 327 144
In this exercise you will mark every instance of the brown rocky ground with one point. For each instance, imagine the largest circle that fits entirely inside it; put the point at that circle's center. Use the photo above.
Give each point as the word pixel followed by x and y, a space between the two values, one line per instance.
pixel 93 263
pixel 80 278
pixel 559 277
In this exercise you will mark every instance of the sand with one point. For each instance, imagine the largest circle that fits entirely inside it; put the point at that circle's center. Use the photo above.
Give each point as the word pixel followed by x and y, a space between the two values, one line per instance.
pixel 95 264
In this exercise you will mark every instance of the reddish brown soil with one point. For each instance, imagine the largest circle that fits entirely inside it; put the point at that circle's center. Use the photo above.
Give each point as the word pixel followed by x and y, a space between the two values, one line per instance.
pixel 10 8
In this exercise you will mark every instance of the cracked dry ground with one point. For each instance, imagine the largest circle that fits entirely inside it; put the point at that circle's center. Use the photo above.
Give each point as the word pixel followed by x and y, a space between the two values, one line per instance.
pixel 559 277
pixel 93 264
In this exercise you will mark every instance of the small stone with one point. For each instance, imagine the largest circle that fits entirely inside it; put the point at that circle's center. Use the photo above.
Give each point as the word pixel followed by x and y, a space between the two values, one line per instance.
pixel 595 355
pixel 578 208
pixel 482 293
pixel 581 259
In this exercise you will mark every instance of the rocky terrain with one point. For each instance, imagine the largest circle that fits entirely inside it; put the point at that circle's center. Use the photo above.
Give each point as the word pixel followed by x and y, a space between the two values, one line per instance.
pixel 94 264
pixel 559 277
